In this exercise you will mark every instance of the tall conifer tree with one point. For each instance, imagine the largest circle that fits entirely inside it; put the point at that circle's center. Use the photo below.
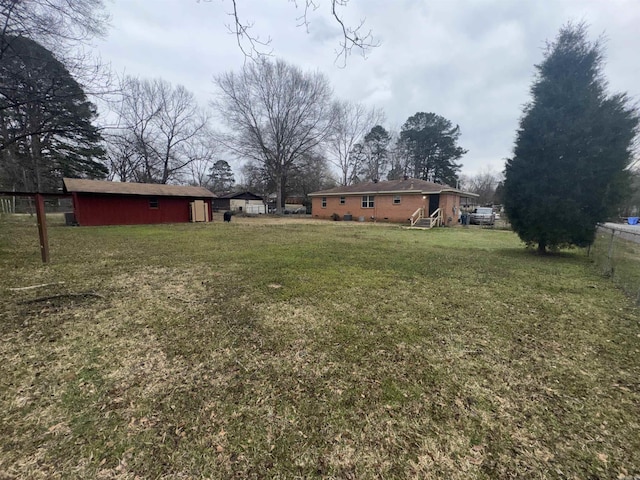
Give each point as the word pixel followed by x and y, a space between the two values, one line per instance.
pixel 431 143
pixel 572 149
pixel 46 121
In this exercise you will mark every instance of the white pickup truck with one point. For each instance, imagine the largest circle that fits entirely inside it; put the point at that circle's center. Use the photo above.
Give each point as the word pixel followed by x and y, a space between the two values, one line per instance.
pixel 483 216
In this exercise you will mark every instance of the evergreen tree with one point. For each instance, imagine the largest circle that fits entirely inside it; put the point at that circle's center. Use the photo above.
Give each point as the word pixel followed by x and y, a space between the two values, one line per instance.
pixel 399 160
pixel 431 142
pixel 221 177
pixel 375 151
pixel 632 207
pixel 572 148
pixel 46 129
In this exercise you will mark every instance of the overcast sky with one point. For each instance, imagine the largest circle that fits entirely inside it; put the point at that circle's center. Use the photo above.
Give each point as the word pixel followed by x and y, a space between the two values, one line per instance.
pixel 471 61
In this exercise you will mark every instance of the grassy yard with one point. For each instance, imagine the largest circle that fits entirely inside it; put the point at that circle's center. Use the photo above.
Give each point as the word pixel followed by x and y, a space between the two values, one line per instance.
pixel 311 350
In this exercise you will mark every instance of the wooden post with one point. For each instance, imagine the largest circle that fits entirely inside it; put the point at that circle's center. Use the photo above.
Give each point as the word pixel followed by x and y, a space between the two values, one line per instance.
pixel 610 253
pixel 42 228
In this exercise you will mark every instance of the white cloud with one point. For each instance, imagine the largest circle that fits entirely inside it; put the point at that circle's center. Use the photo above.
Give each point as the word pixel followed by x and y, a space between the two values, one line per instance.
pixel 471 61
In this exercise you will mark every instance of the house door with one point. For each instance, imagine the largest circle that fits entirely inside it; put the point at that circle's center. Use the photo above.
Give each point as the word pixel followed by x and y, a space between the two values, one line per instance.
pixel 434 203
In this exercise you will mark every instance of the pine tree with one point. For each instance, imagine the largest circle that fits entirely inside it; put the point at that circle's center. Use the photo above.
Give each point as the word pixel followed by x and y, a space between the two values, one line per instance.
pixel 375 152
pixel 572 148
pixel 431 141
pixel 46 129
pixel 221 177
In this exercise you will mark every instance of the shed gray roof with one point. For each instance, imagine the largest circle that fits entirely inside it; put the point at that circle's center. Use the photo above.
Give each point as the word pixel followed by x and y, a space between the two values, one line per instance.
pixel 243 195
pixel 80 185
pixel 410 185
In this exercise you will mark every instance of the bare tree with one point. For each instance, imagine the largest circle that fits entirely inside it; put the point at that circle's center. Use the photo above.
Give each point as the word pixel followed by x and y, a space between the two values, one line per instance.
pixel 353 37
pixel 276 115
pixel 483 184
pixel 121 157
pixel 52 23
pixel 311 174
pixel 161 131
pixel 352 121
pixel 254 179
pixel 204 152
pixel 182 126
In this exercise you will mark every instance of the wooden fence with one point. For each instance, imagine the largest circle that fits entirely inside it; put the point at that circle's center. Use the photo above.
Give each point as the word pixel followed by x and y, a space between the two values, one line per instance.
pixel 7 205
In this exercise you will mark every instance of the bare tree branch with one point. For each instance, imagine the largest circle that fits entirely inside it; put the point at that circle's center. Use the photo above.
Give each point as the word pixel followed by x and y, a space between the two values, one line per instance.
pixel 352 121
pixel 276 114
pixel 161 131
pixel 352 37
pixel 483 184
pixel 53 23
pixel 253 47
pixel 241 30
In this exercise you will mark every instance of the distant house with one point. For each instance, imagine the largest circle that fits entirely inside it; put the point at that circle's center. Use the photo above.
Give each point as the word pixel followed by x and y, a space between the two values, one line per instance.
pixel 245 202
pixel 401 201
pixel 118 203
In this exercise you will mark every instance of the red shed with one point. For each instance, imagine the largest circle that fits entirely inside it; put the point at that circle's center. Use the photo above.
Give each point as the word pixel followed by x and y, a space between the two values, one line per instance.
pixel 117 203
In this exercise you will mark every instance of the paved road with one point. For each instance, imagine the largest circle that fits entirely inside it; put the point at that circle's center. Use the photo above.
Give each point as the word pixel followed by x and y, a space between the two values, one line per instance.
pixel 629 232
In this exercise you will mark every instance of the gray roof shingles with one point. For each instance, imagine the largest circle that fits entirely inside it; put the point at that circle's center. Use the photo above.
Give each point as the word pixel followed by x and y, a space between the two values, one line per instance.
pixel 410 185
pixel 80 185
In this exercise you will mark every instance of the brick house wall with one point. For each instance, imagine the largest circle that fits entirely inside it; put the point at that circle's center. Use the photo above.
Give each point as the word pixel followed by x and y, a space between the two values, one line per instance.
pixel 384 209
pixel 389 201
pixel 450 208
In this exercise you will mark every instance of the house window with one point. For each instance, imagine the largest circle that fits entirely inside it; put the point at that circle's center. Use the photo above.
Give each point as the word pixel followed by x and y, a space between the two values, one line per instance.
pixel 153 202
pixel 343 200
pixel 367 201
pixel 396 199
pixel 324 202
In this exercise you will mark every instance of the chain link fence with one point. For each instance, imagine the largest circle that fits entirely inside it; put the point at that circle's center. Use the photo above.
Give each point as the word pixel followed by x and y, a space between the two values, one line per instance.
pixel 616 253
pixel 9 204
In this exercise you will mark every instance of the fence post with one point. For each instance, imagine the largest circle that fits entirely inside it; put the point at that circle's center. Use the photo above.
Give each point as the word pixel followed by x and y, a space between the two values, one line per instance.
pixel 610 254
pixel 42 228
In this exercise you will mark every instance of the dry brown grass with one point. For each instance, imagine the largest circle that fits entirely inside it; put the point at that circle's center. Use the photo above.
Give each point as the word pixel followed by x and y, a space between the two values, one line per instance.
pixel 286 349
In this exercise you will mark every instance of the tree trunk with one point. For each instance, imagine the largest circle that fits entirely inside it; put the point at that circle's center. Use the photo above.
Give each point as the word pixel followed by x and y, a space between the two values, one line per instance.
pixel 542 247
pixel 279 206
pixel 36 158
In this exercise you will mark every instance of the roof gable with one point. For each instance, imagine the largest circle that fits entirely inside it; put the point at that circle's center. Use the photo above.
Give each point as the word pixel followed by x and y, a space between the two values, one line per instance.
pixel 81 185
pixel 239 195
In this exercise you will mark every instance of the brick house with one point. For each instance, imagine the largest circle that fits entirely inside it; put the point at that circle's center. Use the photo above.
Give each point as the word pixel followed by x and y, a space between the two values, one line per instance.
pixel 402 201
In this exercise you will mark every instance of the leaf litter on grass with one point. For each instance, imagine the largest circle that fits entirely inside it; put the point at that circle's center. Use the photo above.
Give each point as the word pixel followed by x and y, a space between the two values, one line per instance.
pixel 410 363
